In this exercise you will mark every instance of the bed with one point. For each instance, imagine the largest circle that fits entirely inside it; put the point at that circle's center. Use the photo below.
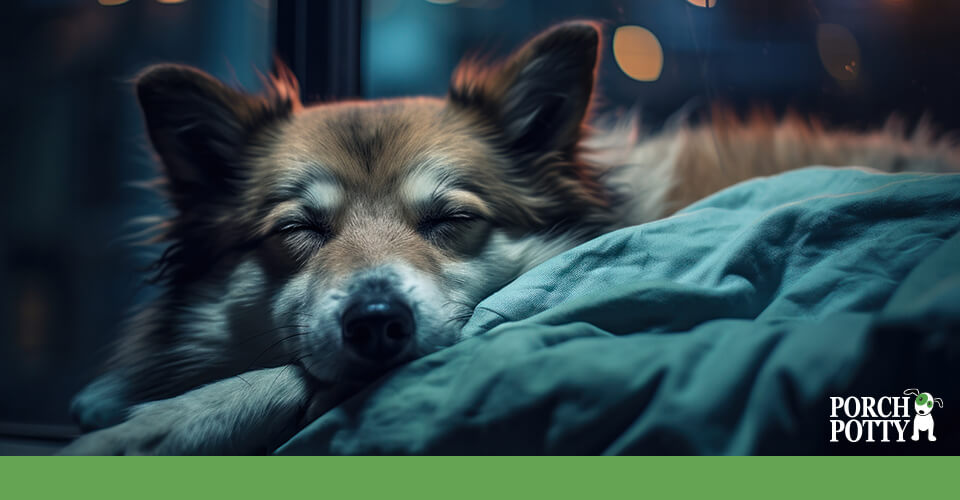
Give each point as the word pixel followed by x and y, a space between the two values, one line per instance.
pixel 724 329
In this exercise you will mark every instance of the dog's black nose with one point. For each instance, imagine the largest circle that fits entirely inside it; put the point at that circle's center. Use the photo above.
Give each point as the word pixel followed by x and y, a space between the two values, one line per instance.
pixel 379 329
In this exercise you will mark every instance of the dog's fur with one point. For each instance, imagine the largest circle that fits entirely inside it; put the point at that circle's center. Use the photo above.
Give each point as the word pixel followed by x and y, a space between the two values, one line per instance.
pixel 285 214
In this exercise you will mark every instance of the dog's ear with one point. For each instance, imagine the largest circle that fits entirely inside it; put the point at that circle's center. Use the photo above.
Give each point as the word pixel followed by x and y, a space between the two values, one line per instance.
pixel 538 98
pixel 912 392
pixel 938 401
pixel 198 126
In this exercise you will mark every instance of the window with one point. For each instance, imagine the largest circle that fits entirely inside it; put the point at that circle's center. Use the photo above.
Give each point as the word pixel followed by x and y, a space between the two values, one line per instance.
pixel 68 274
pixel 851 62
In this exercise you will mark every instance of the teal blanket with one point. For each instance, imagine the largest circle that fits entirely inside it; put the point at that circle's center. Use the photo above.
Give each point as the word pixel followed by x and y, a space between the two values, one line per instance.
pixel 724 329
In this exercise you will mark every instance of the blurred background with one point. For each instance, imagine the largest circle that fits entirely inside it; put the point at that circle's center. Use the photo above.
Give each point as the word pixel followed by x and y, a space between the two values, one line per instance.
pixel 73 142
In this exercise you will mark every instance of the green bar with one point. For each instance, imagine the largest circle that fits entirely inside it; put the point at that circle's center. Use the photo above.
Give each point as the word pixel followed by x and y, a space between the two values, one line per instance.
pixel 488 478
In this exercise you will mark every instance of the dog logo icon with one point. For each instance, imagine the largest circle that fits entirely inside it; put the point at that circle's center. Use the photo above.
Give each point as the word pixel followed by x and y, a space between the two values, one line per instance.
pixel 923 405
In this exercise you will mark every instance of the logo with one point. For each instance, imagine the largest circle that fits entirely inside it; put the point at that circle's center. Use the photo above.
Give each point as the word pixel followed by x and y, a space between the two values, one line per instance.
pixel 884 419
pixel 923 406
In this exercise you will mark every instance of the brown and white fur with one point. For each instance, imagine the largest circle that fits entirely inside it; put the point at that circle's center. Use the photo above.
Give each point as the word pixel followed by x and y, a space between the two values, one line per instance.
pixel 313 248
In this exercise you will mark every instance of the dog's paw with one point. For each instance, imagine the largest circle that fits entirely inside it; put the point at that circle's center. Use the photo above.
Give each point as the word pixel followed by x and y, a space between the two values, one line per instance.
pixel 153 430
pixel 158 428
pixel 123 439
pixel 248 415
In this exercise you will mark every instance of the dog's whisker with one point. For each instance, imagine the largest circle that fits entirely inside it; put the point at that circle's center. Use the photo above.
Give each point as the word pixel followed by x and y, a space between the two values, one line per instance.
pixel 273 345
pixel 272 330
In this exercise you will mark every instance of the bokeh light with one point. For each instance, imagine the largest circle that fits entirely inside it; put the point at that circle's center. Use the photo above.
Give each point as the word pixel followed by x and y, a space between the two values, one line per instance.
pixel 638 53
pixel 110 3
pixel 839 51
pixel 704 3
pixel 171 1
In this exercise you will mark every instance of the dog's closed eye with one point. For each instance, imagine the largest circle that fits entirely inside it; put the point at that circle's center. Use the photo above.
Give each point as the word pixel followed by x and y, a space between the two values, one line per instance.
pixel 432 222
pixel 303 236
pixel 445 224
pixel 297 227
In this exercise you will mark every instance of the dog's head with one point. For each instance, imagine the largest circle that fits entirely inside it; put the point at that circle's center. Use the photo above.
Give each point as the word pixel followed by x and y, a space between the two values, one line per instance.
pixel 924 401
pixel 923 404
pixel 376 227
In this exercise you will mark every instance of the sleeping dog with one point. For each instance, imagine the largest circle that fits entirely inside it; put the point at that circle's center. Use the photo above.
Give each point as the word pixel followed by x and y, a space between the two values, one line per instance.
pixel 314 248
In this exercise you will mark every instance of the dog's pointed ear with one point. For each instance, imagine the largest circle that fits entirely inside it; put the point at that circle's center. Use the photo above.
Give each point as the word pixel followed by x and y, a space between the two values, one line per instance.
pixel 198 126
pixel 912 392
pixel 538 98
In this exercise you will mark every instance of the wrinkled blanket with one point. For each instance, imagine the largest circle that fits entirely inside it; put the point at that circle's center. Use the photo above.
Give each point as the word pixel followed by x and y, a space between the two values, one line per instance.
pixel 723 329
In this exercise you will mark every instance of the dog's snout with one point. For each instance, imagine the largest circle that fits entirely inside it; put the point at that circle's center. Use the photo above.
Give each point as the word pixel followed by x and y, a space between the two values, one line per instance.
pixel 379 329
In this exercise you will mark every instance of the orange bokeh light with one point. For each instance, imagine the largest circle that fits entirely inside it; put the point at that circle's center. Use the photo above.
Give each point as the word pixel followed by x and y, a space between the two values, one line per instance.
pixel 709 4
pixel 638 53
